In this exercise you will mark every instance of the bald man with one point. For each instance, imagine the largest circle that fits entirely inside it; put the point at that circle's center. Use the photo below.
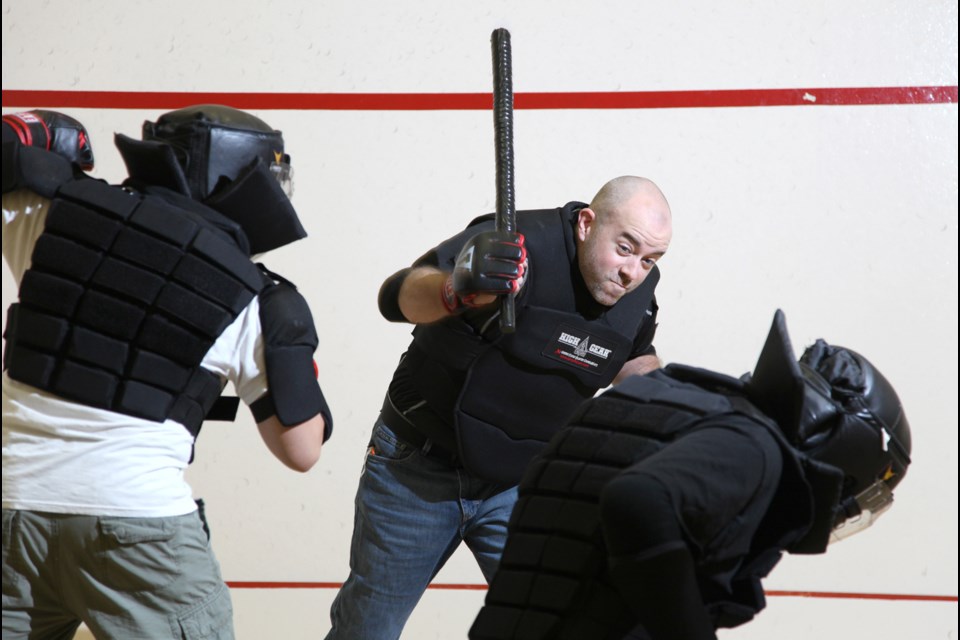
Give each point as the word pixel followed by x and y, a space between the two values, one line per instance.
pixel 469 407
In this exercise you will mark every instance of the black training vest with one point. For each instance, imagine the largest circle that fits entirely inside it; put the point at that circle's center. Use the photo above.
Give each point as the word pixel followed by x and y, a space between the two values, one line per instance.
pixel 520 388
pixel 555 529
pixel 125 295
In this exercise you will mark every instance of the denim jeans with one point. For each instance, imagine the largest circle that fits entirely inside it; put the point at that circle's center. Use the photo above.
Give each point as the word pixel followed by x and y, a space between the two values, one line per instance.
pixel 412 512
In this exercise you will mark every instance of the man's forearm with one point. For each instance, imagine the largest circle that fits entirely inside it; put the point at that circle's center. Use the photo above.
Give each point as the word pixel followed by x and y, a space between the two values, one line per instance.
pixel 420 298
pixel 637 367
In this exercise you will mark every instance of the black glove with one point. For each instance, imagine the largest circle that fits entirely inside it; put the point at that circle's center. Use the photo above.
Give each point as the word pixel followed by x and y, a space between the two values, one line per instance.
pixel 52 131
pixel 490 263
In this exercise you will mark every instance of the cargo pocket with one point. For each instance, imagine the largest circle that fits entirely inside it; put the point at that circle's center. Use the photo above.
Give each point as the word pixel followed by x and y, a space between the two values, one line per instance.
pixel 212 619
pixel 138 554
pixel 14 573
pixel 9 517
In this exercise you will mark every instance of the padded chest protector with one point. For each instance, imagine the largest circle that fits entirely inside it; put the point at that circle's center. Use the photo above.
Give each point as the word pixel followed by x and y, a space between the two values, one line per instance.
pixel 523 387
pixel 125 295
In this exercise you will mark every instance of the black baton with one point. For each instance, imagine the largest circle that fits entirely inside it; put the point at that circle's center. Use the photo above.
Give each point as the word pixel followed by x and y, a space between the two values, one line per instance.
pixel 503 129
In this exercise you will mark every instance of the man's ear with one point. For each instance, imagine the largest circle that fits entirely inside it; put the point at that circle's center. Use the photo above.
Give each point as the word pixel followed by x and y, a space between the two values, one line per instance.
pixel 586 219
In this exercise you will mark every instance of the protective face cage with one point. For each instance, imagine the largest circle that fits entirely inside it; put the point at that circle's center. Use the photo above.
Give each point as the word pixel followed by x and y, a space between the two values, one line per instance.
pixel 838 409
pixel 283 172
pixel 858 512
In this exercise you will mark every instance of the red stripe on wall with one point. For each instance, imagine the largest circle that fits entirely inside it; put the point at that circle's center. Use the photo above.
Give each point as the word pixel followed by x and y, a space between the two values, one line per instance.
pixel 484 101
pixel 483 587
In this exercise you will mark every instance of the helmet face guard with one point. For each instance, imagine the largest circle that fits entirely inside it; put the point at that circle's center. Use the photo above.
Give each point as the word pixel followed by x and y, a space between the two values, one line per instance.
pixel 861 511
pixel 281 170
pixel 838 409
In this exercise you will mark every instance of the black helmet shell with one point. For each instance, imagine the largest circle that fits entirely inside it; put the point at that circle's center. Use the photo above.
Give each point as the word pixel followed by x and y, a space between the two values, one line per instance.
pixel 215 142
pixel 835 407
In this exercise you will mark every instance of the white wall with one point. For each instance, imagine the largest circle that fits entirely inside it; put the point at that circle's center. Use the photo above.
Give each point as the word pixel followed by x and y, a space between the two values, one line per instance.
pixel 844 216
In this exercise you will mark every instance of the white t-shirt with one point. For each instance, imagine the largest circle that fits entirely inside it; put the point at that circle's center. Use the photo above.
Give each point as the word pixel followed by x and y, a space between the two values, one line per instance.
pixel 63 457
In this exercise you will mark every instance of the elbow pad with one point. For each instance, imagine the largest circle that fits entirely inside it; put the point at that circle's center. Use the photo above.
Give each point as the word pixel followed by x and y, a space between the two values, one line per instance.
pixel 289 341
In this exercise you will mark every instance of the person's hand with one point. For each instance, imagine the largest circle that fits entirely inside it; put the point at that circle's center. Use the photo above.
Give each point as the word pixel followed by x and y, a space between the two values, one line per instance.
pixel 491 263
pixel 53 131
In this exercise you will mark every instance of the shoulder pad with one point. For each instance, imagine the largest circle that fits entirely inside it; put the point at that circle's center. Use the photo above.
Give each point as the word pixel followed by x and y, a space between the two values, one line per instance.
pixel 487 217
pixel 33 168
pixel 659 387
pixel 710 380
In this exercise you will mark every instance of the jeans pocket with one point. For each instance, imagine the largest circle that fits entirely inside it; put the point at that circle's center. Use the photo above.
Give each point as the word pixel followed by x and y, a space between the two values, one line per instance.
pixel 139 554
pixel 385 445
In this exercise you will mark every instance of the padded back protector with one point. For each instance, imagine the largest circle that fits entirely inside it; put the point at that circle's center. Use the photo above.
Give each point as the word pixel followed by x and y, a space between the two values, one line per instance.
pixel 555 527
pixel 125 295
pixel 553 580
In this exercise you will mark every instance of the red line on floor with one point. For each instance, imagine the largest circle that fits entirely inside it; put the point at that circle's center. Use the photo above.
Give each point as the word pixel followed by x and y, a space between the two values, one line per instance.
pixel 337 585
pixel 483 587
pixel 861 596
pixel 284 585
pixel 15 98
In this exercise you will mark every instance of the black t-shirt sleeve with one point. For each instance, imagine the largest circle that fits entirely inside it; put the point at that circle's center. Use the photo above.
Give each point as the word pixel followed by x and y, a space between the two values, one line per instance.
pixel 444 255
pixel 643 343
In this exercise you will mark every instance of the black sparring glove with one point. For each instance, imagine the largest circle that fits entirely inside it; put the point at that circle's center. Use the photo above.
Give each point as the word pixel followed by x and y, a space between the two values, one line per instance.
pixel 490 263
pixel 52 131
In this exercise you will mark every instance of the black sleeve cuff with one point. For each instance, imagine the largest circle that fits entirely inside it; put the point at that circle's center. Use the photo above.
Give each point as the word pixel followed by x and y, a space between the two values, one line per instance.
pixel 263 408
pixel 389 297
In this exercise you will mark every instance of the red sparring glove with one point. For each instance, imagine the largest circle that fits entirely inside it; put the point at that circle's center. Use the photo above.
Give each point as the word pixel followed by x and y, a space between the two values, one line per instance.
pixel 490 263
pixel 52 131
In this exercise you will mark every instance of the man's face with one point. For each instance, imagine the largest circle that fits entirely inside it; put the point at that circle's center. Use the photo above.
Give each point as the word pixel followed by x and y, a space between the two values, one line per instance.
pixel 617 249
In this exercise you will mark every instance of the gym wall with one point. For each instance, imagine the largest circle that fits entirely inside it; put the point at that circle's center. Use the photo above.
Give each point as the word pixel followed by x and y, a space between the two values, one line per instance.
pixel 808 150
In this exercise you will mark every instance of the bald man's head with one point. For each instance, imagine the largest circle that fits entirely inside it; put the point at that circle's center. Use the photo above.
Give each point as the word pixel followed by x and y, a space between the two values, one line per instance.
pixel 621 236
pixel 620 192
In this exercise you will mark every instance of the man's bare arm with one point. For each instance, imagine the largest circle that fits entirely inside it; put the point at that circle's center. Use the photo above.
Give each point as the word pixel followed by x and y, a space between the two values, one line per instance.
pixel 637 367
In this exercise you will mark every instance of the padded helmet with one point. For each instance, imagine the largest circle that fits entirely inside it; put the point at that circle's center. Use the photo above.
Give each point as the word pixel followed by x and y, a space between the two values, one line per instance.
pixel 230 160
pixel 213 142
pixel 838 409
pixel 849 405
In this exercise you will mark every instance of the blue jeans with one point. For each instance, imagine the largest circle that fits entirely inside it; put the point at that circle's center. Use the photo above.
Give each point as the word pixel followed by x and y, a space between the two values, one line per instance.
pixel 412 512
